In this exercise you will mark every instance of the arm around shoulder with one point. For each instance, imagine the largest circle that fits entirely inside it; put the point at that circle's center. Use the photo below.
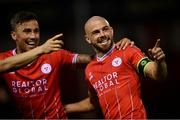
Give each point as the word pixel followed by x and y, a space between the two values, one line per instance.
pixel 83 60
pixel 21 59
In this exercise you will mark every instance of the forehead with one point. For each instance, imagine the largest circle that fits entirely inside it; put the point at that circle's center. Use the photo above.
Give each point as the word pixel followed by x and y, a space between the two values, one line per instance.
pixel 97 24
pixel 28 24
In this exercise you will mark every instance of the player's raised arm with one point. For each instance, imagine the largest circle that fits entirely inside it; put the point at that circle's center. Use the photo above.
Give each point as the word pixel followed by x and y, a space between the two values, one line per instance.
pixel 53 44
pixel 158 68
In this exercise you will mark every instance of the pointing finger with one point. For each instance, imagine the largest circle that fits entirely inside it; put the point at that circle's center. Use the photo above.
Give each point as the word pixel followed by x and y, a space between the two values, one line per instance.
pixel 157 43
pixel 56 36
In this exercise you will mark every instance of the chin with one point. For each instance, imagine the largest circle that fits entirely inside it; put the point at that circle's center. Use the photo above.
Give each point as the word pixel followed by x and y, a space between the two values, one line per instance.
pixel 30 48
pixel 106 50
pixel 107 47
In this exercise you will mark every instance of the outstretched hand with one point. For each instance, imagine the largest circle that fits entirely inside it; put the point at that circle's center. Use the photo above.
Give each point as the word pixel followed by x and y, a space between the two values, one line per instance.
pixel 123 43
pixel 53 44
pixel 156 53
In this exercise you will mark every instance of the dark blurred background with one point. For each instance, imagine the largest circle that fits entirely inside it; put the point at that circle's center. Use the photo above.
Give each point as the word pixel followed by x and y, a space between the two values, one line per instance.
pixel 143 21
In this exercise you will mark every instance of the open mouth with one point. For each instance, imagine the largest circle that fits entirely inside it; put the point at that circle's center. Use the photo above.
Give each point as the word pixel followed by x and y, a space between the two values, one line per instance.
pixel 104 42
pixel 31 44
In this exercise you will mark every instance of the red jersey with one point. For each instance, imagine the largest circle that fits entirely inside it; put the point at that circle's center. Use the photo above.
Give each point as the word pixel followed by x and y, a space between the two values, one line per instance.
pixel 116 81
pixel 36 88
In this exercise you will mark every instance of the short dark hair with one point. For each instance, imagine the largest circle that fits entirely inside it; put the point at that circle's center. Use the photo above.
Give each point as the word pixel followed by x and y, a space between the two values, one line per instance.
pixel 21 17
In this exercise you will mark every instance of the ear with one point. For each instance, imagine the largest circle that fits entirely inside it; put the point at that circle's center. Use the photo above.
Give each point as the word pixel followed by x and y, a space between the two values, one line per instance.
pixel 13 35
pixel 87 39
pixel 112 32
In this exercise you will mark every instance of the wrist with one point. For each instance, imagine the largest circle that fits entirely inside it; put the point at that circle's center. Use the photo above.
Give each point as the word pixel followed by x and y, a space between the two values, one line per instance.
pixel 39 50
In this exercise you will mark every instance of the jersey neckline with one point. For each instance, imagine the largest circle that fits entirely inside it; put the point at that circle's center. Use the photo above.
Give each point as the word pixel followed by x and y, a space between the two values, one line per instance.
pixel 99 59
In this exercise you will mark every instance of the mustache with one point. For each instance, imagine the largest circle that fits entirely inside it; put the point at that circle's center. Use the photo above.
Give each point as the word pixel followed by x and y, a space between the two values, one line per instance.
pixel 103 38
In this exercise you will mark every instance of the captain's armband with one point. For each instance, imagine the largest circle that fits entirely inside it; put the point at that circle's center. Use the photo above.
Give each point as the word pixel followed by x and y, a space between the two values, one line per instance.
pixel 141 65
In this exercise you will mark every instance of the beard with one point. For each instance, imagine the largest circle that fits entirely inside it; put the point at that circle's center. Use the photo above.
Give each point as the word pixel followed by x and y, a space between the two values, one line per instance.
pixel 104 49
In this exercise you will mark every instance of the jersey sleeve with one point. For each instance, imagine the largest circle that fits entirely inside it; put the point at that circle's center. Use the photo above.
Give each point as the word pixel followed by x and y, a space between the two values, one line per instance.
pixel 65 57
pixel 137 58
pixel 2 56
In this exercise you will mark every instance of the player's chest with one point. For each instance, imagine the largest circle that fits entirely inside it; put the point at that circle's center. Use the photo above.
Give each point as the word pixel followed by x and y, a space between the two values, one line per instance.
pixel 108 69
pixel 36 70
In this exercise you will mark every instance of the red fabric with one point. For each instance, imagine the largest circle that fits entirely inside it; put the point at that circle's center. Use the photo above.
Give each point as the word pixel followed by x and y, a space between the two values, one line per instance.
pixel 116 81
pixel 36 87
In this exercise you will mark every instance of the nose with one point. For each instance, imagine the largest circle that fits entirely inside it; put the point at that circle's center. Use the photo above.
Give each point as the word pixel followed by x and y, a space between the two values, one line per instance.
pixel 102 33
pixel 32 35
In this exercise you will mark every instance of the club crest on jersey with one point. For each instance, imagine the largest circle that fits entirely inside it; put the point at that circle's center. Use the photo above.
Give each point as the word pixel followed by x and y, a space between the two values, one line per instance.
pixel 116 62
pixel 46 68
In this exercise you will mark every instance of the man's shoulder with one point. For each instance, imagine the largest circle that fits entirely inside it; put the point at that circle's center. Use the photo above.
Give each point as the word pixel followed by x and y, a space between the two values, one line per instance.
pixel 6 54
pixel 62 51
pixel 130 49
pixel 92 64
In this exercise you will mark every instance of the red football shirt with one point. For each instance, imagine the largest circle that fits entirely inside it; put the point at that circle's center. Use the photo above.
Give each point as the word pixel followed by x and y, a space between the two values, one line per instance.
pixel 116 81
pixel 36 88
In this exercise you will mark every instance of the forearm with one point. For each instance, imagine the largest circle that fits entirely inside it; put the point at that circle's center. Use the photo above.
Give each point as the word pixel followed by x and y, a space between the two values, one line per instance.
pixel 82 106
pixel 161 70
pixel 27 57
pixel 83 60
pixel 20 59
pixel 156 70
pixel 52 44
pixel 159 67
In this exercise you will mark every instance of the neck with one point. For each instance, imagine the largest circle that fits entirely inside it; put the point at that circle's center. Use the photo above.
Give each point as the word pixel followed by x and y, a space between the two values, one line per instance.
pixel 103 54
pixel 18 50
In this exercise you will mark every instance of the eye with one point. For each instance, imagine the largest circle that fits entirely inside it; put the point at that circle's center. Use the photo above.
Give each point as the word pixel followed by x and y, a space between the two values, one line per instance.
pixel 27 30
pixel 106 28
pixel 95 32
pixel 36 30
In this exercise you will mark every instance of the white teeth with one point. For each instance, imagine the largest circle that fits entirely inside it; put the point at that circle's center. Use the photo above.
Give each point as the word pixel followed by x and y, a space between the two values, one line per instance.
pixel 31 43
pixel 104 42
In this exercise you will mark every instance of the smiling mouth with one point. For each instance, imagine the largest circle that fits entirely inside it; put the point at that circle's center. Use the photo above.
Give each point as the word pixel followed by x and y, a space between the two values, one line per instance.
pixel 104 42
pixel 31 44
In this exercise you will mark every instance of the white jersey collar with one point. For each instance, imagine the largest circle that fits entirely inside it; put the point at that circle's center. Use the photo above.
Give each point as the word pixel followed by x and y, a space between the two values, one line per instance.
pixel 14 52
pixel 99 59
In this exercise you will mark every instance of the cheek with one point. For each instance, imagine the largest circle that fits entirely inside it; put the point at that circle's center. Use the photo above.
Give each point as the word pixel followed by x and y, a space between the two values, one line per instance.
pixel 94 38
pixel 20 42
pixel 93 41
pixel 37 35
pixel 21 37
pixel 111 33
